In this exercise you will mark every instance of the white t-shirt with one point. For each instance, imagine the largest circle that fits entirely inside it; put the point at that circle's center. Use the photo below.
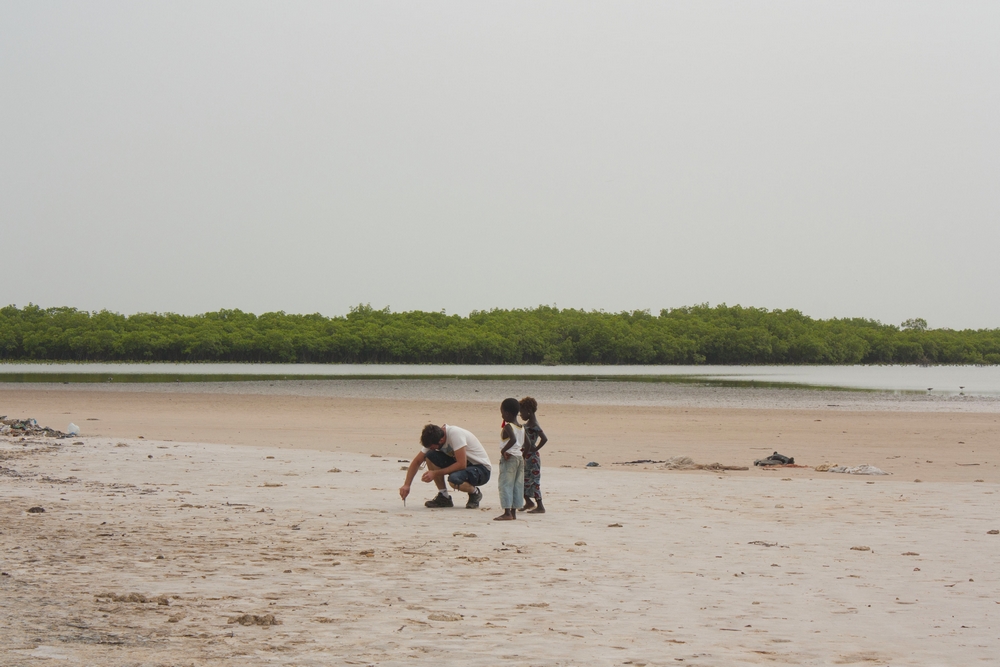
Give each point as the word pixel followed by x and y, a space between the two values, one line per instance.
pixel 457 437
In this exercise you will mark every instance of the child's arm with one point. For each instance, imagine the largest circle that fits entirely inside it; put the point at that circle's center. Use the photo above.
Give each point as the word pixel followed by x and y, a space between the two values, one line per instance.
pixel 508 433
pixel 540 442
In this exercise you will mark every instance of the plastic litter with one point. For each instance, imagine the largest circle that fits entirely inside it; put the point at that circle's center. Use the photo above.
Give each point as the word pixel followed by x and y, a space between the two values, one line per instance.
pixel 73 429
pixel 16 428
pixel 859 470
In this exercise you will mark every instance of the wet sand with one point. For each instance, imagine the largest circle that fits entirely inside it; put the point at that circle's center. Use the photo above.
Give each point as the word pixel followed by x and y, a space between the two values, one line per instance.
pixel 243 507
pixel 945 442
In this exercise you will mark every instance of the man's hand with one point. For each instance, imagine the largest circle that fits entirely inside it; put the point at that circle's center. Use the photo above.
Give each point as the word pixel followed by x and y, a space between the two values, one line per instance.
pixel 428 476
pixel 404 491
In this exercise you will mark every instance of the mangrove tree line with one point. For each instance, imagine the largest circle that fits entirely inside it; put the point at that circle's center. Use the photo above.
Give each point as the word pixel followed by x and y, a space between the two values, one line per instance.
pixel 544 335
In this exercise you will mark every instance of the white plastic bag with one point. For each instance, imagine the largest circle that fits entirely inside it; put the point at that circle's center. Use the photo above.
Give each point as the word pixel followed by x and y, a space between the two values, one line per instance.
pixel 73 429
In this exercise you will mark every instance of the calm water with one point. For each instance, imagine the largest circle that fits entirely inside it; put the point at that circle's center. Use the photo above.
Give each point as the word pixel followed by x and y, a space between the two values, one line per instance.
pixel 942 380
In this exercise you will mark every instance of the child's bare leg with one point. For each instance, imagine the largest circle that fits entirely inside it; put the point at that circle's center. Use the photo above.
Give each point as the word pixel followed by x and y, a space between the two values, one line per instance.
pixel 508 515
pixel 540 509
pixel 529 503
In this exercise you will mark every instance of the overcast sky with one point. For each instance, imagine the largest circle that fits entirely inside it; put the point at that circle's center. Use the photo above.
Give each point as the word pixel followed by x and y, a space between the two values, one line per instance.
pixel 839 158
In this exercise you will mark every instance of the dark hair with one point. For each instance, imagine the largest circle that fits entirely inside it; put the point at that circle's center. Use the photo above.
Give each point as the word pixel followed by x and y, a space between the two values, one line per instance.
pixel 510 405
pixel 529 405
pixel 431 435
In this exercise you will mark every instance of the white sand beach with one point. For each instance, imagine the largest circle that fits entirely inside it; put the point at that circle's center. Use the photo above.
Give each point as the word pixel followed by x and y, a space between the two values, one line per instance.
pixel 630 566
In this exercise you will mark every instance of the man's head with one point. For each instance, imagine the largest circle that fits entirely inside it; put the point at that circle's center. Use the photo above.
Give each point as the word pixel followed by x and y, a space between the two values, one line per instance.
pixel 432 436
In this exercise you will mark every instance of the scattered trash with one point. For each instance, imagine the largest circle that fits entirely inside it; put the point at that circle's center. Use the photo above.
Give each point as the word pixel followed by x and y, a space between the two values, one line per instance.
pixel 36 510
pixel 22 427
pixel 858 470
pixel 687 463
pixel 615 525
pixel 593 464
pixel 762 543
pixel 775 459
pixel 861 548
pixel 73 429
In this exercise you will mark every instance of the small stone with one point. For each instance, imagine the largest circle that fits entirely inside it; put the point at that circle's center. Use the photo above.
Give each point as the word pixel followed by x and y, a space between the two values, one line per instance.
pixel 910 553
pixel 861 548
pixel 614 525
pixel 445 617
pixel 993 532
pixel 581 543
pixel 36 510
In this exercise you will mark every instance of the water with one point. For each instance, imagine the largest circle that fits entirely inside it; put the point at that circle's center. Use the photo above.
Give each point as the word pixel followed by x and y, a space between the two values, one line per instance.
pixel 934 380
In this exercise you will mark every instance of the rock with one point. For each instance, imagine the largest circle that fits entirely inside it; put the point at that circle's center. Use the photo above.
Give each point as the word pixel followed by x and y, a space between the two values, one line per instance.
pixel 253 619
pixel 593 464
pixel 445 617
pixel 988 532
pixel 36 510
pixel 861 548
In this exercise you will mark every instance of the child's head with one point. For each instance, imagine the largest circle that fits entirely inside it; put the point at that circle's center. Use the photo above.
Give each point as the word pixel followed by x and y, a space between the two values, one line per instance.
pixel 431 435
pixel 509 408
pixel 528 407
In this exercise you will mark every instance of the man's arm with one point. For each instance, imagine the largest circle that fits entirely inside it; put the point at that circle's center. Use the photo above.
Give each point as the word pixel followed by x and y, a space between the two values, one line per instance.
pixel 459 464
pixel 411 472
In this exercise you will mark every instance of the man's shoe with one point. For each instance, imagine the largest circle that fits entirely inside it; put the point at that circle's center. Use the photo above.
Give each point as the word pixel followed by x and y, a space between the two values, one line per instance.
pixel 474 499
pixel 440 501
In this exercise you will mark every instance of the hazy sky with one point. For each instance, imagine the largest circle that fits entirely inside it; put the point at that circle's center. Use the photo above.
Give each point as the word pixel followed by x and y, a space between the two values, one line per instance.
pixel 840 158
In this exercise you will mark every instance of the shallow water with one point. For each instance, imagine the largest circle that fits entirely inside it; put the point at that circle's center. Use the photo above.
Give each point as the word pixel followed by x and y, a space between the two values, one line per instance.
pixel 938 380
pixel 586 392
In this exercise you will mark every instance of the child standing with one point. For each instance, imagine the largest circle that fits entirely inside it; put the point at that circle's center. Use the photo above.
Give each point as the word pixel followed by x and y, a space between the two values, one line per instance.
pixel 511 480
pixel 534 439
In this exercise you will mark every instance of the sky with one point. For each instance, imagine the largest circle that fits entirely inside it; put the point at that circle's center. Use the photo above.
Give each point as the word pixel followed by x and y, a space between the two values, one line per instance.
pixel 838 158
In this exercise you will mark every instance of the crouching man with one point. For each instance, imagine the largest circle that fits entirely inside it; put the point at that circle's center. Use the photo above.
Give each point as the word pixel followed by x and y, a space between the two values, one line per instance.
pixel 455 453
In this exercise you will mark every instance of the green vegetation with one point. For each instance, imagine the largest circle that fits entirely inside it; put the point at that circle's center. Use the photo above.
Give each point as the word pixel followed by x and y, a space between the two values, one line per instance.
pixel 691 335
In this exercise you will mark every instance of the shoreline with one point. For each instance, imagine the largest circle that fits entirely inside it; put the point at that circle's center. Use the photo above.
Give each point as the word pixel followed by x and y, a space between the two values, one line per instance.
pixel 936 445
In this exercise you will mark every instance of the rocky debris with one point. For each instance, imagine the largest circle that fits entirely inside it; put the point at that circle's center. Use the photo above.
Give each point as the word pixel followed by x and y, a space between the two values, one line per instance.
pixel 134 597
pixel 36 510
pixel 445 617
pixel 253 619
pixel 25 427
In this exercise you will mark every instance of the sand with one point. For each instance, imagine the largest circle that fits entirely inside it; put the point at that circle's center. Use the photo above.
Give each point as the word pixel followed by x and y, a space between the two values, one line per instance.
pixel 228 512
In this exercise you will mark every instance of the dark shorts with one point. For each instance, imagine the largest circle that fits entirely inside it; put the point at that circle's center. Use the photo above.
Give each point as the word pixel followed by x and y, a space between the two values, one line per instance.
pixel 475 474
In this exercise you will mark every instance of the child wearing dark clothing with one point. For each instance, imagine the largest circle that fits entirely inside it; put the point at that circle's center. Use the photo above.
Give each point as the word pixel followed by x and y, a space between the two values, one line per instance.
pixel 534 440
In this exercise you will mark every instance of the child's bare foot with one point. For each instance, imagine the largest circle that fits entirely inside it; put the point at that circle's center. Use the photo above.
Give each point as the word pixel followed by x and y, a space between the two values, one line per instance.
pixel 529 504
pixel 537 510
pixel 506 516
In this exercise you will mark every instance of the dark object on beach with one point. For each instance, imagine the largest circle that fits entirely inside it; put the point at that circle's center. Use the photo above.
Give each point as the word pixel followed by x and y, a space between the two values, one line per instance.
pixel 775 459
pixel 593 464
pixel 637 461
pixel 36 510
